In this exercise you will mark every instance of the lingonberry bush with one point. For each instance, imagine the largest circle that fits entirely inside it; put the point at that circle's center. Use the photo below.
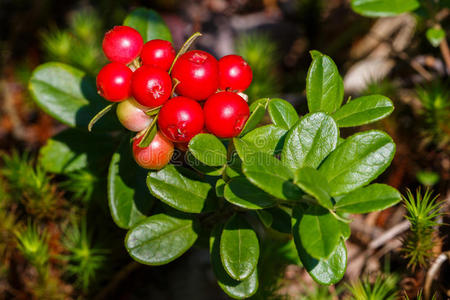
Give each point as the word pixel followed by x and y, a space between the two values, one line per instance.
pixel 234 180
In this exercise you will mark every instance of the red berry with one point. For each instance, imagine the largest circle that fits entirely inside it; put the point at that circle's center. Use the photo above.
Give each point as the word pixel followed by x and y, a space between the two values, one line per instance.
pixel 114 82
pixel 132 115
pixel 234 73
pixel 198 73
pixel 151 86
pixel 158 54
pixel 122 44
pixel 180 119
pixel 156 155
pixel 225 114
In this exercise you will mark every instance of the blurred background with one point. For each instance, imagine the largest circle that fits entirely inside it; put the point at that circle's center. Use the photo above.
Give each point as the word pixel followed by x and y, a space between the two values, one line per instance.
pixel 57 239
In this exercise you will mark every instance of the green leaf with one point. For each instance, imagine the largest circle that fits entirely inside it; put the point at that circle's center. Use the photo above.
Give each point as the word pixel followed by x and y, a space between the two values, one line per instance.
pixel 257 112
pixel 239 248
pixel 201 167
pixel 310 141
pixel 149 24
pixel 281 219
pixel 149 134
pixel 319 232
pixel 72 150
pixel 363 110
pixel 181 189
pixel 240 192
pixel 435 36
pixel 128 198
pixel 208 149
pixel 161 239
pixel 315 184
pixel 324 85
pixel 345 230
pixel 383 8
pixel 271 175
pixel 70 96
pixel 265 217
pixel 371 198
pixel 268 139
pixel 357 161
pixel 233 288
pixel 282 113
pixel 220 187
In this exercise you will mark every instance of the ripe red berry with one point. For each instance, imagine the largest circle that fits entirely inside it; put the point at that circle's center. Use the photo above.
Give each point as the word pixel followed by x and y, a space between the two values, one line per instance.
pixel 151 86
pixel 198 73
pixel 225 114
pixel 132 115
pixel 180 119
pixel 122 44
pixel 158 54
pixel 234 73
pixel 156 155
pixel 114 82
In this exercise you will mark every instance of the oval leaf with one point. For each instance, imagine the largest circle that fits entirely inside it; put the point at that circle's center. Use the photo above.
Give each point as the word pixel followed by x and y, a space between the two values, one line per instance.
pixel 282 113
pixel 435 36
pixel 257 112
pixel 208 149
pixel 313 183
pixel 160 239
pixel 201 167
pixel 240 192
pixel 383 8
pixel 363 110
pixel 239 248
pixel 310 141
pixel 70 96
pixel 357 161
pixel 371 198
pixel 181 189
pixel 149 24
pixel 268 139
pixel 128 198
pixel 324 85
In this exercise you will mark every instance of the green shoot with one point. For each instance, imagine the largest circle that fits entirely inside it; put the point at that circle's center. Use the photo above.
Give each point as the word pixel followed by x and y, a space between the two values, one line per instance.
pixel 81 184
pixel 384 288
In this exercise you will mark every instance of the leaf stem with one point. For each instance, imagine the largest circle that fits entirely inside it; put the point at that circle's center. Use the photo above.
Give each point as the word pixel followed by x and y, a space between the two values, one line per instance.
pixel 149 134
pixel 99 115
pixel 185 47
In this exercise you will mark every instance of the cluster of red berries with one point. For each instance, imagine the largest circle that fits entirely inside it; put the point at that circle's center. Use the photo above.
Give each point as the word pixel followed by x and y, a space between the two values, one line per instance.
pixel 142 78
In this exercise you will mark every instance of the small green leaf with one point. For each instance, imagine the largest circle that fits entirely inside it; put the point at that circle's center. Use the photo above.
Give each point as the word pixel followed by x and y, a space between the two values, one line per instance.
pixel 265 217
pixel 282 113
pixel 70 96
pixel 435 36
pixel 239 248
pixel 345 230
pixel 161 239
pixel 187 44
pixel 371 198
pixel 233 288
pixel 99 115
pixel 128 198
pixel 257 112
pixel 310 141
pixel 357 161
pixel 201 167
pixel 319 232
pixel 363 110
pixel 281 219
pixel 208 149
pixel 383 8
pixel 313 183
pixel 324 85
pixel 181 189
pixel 268 139
pixel 220 187
pixel 149 24
pixel 240 192
pixel 271 175
pixel 149 134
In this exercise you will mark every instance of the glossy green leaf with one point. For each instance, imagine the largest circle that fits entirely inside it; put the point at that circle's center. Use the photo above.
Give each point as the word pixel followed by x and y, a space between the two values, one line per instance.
pixel 271 175
pixel 70 96
pixel 315 184
pixel 383 8
pixel 239 248
pixel 281 219
pixel 324 85
pixel 201 167
pixel 208 149
pixel 161 239
pixel 345 230
pixel 357 161
pixel 282 113
pixel 149 24
pixel 240 192
pixel 319 232
pixel 72 150
pixel 233 288
pixel 363 110
pixel 268 139
pixel 435 36
pixel 371 198
pixel 220 187
pixel 181 189
pixel 128 199
pixel 257 112
pixel 265 217
pixel 310 141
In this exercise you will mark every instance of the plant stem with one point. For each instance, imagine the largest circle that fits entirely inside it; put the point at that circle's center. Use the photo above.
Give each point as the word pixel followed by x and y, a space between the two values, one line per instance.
pixel 445 53
pixel 433 271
